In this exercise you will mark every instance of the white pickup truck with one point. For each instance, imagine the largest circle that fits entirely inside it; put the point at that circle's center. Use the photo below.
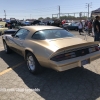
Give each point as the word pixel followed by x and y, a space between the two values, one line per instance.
pixel 2 29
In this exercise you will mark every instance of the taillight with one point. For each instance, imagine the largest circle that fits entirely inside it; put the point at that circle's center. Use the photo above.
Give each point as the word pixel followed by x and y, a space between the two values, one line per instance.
pixel 97 48
pixel 63 56
pixel 94 49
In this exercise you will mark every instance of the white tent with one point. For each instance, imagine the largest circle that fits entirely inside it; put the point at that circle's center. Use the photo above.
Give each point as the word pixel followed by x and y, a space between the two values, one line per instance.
pixel 95 12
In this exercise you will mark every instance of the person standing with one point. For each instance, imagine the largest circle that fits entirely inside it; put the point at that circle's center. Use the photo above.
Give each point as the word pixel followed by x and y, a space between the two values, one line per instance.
pixel 89 27
pixel 86 26
pixel 97 28
pixel 80 27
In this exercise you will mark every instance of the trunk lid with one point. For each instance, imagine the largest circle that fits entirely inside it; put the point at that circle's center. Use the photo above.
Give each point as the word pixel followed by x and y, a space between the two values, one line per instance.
pixel 70 44
pixel 61 43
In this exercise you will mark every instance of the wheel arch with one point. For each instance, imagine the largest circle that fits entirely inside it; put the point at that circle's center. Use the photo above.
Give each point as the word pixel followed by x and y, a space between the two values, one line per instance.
pixel 29 51
pixel 3 40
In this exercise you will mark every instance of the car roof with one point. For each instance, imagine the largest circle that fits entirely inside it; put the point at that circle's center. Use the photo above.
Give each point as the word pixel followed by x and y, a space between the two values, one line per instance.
pixel 37 28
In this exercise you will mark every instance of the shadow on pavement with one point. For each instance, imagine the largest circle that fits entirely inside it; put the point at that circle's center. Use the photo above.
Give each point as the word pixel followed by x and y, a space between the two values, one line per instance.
pixel 74 84
pixel 11 59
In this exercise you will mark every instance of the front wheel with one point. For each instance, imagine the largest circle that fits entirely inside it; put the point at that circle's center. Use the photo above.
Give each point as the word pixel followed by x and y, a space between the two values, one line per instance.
pixel 6 48
pixel 32 64
pixel 0 33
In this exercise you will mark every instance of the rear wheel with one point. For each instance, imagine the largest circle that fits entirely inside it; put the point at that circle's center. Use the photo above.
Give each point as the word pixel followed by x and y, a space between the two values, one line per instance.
pixel 0 33
pixel 76 29
pixel 6 48
pixel 32 64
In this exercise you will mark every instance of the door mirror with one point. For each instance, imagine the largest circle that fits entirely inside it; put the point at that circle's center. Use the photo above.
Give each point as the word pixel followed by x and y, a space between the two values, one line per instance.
pixel 17 36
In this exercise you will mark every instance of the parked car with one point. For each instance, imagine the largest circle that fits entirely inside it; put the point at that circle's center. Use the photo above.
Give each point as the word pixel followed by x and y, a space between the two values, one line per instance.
pixel 73 26
pixel 41 23
pixel 66 24
pixel 36 22
pixel 2 29
pixel 52 47
pixel 26 23
pixel 10 31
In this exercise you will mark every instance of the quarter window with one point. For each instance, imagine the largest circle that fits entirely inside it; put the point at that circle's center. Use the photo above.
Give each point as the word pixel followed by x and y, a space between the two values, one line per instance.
pixel 39 36
pixel 51 34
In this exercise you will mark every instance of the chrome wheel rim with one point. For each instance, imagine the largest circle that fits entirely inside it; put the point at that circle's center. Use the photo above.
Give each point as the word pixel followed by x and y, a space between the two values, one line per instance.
pixel 5 47
pixel 31 63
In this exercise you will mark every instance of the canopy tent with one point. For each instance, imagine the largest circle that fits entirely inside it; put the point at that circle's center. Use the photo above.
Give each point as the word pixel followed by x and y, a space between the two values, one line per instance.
pixel 95 12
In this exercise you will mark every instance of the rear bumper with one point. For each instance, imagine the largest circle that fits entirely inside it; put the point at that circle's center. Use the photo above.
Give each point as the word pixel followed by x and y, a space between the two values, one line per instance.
pixel 72 63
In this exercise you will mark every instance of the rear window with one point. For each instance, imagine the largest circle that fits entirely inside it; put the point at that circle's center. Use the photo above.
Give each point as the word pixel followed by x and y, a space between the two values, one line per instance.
pixel 52 34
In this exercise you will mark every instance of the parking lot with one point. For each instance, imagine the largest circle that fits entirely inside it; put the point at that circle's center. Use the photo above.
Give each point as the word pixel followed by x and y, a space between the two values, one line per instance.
pixel 17 83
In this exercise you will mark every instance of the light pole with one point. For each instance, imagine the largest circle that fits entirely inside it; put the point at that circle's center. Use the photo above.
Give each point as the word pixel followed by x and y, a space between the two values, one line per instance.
pixel 88 5
pixel 5 14
pixel 59 12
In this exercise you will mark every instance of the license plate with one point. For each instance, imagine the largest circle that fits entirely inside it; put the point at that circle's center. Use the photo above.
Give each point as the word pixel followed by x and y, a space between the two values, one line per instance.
pixel 84 62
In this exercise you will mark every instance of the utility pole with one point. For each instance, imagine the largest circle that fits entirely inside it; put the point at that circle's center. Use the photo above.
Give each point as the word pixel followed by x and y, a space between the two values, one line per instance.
pixel 30 16
pixel 88 9
pixel 88 5
pixel 5 14
pixel 59 12
pixel 80 14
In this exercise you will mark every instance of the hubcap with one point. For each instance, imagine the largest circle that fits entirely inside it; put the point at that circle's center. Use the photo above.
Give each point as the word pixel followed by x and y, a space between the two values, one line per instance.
pixel 5 47
pixel 31 63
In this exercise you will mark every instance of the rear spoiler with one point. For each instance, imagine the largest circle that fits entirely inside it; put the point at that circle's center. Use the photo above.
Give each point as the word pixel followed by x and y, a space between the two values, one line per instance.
pixel 87 44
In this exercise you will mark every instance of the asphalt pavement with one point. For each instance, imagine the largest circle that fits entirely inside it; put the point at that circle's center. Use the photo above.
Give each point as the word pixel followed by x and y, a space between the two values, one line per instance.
pixel 17 83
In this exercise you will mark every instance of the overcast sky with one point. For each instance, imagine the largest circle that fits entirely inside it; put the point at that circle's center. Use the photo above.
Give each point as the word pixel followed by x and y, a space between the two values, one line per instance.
pixel 43 8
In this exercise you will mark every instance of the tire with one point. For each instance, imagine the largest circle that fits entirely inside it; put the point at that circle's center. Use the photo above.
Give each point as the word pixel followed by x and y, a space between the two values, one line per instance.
pixel 0 33
pixel 32 64
pixel 76 29
pixel 6 47
pixel 82 67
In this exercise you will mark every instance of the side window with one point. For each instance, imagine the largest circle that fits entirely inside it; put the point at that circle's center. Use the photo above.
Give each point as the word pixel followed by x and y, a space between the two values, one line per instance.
pixel 22 33
pixel 38 36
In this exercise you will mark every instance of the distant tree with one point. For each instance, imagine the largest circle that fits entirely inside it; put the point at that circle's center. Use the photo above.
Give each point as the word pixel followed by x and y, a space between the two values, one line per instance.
pixel 40 18
pixel 48 18
pixel 67 17
pixel 54 18
pixel 72 18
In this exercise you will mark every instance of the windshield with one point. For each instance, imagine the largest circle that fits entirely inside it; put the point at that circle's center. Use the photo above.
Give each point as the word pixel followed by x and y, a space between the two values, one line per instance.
pixel 52 34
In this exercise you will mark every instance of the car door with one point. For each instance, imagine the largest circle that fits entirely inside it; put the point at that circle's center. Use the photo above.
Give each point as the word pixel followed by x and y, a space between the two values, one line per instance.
pixel 73 26
pixel 19 39
pixel 70 27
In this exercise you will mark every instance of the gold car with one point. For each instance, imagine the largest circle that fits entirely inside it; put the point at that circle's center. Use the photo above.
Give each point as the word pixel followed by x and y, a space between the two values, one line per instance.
pixel 52 47
pixel 2 29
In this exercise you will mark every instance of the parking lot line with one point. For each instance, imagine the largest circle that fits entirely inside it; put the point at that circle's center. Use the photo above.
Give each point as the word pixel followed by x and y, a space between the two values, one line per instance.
pixel 9 69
